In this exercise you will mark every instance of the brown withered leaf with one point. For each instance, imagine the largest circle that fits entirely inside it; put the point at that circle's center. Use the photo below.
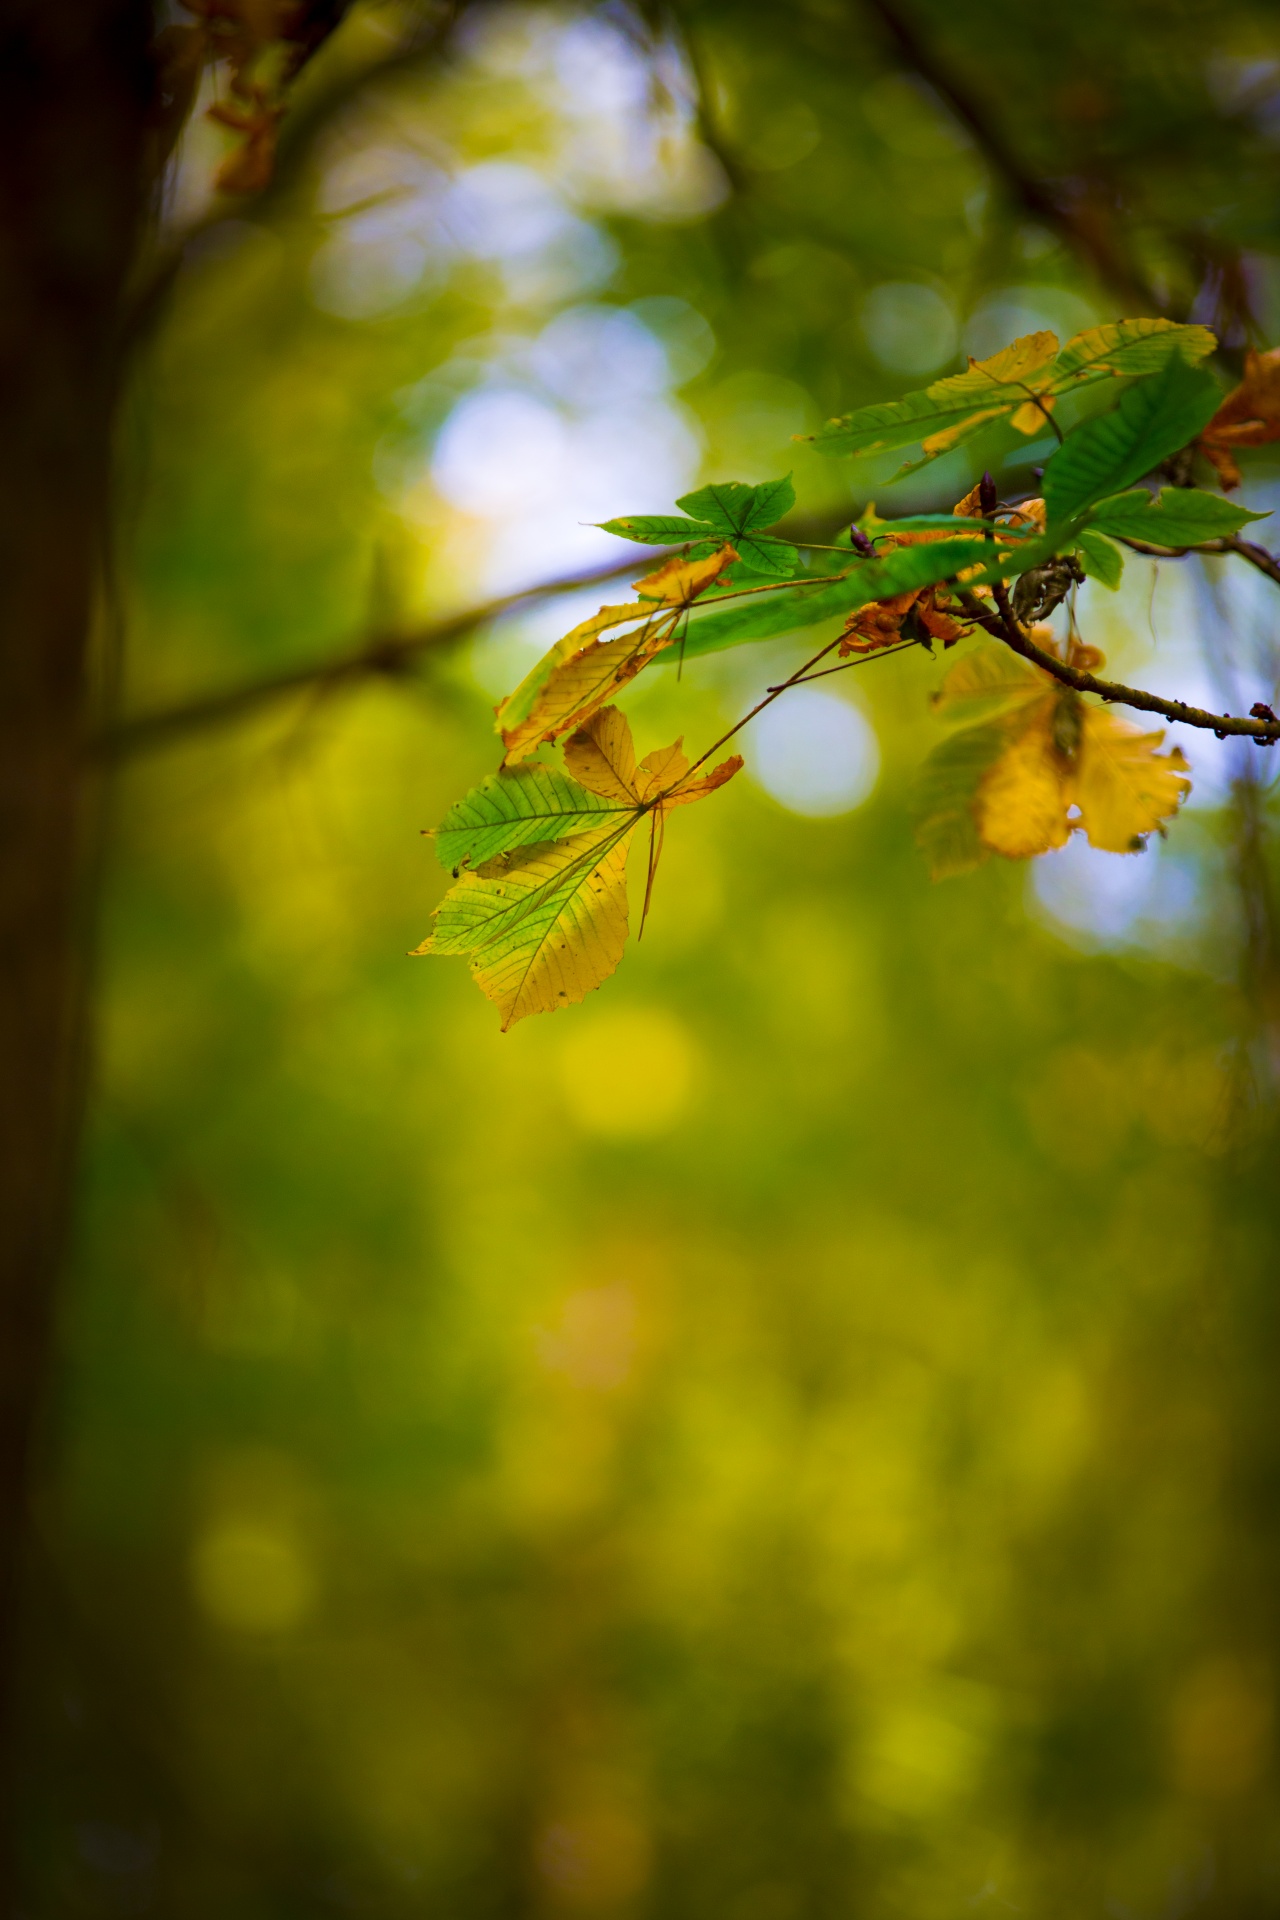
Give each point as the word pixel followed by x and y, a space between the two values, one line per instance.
pixel 1248 417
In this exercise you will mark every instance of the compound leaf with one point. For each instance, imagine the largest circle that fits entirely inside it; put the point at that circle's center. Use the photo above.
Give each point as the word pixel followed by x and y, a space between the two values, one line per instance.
pixel 544 922
pixel 740 513
pixel 1034 750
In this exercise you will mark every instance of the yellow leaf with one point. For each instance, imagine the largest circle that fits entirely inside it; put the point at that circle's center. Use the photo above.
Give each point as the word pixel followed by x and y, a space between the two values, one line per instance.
pixel 1021 803
pixel 690 790
pixel 678 582
pixel 1123 787
pixel 600 756
pixel 661 768
pixel 579 678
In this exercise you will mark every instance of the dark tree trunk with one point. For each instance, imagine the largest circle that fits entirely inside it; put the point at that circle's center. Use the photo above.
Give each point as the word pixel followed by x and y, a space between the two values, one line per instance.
pixel 75 112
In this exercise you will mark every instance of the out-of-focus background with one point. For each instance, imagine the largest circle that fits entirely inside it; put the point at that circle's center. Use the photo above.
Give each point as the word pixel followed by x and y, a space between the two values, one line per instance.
pixel 796 1435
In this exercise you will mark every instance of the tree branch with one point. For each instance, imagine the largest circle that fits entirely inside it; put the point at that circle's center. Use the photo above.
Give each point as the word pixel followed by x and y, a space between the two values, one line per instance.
pixel 1247 550
pixel 1003 626
pixel 382 653
pixel 1085 236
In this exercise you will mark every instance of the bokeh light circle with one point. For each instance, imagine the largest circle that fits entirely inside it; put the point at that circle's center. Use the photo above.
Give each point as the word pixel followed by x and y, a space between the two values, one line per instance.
pixel 814 753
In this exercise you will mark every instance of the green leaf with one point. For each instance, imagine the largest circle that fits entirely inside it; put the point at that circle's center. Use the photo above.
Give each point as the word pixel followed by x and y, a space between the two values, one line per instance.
pixel 520 805
pixel 945 827
pixel 662 530
pixel 1100 560
pixel 1178 517
pixel 737 512
pixel 735 508
pixel 1155 418
pixel 1126 347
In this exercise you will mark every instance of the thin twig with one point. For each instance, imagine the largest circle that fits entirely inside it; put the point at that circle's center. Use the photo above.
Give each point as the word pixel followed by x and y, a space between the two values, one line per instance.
pixel 881 653
pixel 797 680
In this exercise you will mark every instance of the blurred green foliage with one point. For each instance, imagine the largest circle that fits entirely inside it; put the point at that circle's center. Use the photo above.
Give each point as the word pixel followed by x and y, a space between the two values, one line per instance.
pixel 795 1436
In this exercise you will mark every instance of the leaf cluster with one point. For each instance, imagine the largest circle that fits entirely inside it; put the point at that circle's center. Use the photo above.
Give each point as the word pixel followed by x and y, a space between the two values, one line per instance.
pixel 538 851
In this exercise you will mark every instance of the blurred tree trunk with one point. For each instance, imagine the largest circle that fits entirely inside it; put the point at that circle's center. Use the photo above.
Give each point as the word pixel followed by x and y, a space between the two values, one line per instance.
pixel 75 110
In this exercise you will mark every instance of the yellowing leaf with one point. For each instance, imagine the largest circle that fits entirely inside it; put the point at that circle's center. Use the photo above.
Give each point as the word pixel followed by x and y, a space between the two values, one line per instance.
pixel 1021 803
pixel 1033 417
pixel 602 758
pixel 678 582
pixel 543 924
pixel 582 671
pixel 1019 361
pixel 662 768
pixel 1029 752
pixel 1123 787
pixel 581 678
pixel 690 790
pixel 959 430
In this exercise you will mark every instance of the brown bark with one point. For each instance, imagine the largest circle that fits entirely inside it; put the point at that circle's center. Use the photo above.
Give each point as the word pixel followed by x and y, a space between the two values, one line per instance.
pixel 75 106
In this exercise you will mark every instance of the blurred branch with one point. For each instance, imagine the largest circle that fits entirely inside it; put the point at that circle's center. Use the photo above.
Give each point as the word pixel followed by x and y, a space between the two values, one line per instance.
pixel 387 653
pixel 302 127
pixel 1002 625
pixel 1085 236
pixel 1247 550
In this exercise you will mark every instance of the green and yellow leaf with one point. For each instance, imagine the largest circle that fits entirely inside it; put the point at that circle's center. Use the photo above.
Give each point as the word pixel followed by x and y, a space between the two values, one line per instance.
pixel 545 922
pixel 540 926
pixel 516 807
pixel 1020 384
